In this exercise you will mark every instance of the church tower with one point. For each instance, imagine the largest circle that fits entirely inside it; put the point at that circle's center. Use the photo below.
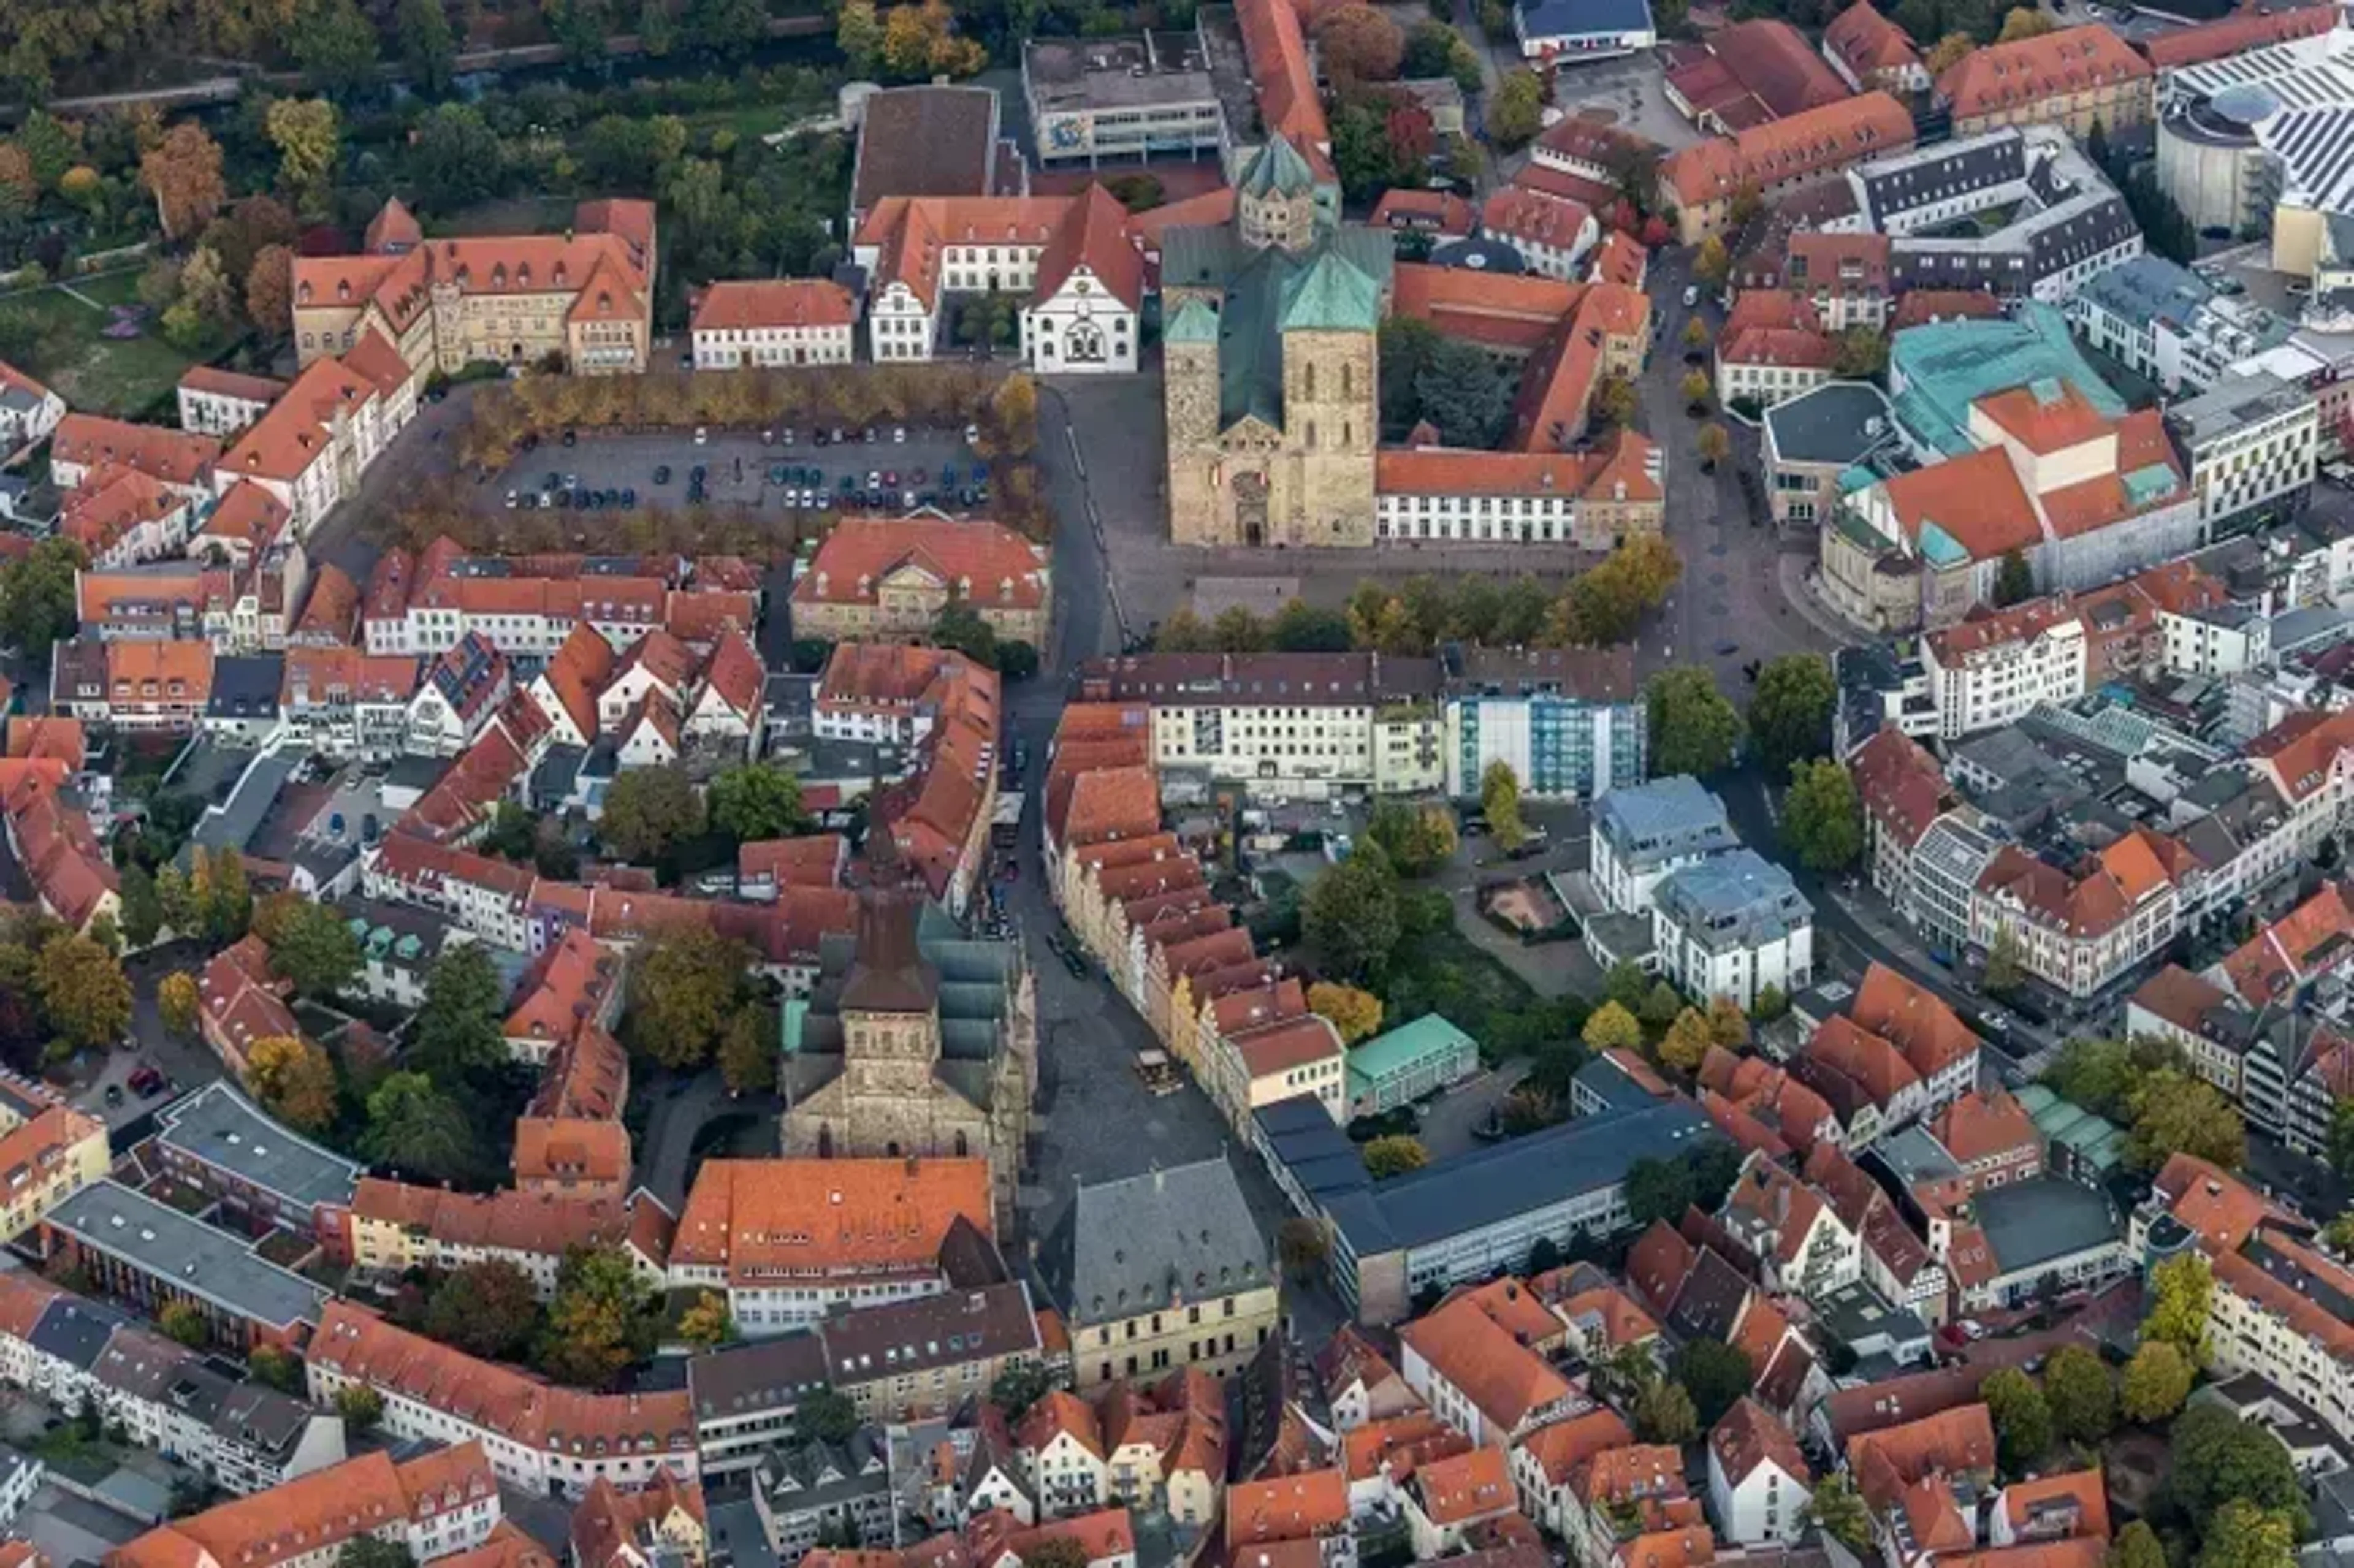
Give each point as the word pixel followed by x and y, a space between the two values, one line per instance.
pixel 890 1002
pixel 1275 199
pixel 1331 322
pixel 1190 398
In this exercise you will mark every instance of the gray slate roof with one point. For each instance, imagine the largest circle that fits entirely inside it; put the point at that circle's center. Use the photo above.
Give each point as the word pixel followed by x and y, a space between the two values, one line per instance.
pixel 2029 1224
pixel 1827 424
pixel 221 1127
pixel 1177 1234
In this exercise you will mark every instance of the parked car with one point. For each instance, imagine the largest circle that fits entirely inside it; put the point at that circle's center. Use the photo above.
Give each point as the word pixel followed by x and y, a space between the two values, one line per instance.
pixel 662 473
pixel 702 435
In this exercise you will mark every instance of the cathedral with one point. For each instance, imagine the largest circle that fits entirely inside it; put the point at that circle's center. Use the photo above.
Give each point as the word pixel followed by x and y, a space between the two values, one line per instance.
pixel 1270 363
pixel 915 1041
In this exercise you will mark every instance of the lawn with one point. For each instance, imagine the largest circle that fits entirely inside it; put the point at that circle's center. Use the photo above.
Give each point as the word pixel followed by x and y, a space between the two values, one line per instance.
pixel 123 377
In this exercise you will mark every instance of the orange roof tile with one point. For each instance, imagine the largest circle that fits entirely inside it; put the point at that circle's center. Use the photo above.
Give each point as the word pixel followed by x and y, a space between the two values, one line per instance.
pixel 1438 212
pixel 2045 419
pixel 1287 1508
pixel 1975 500
pixel 2026 72
pixel 1501 1377
pixel 756 304
pixel 2235 34
pixel 2075 1503
pixel 1913 1019
pixel 1472 1485
pixel 1512 313
pixel 175 457
pixel 846 1216
pixel 1559 1448
pixel 1866 41
pixel 989 565
pixel 1985 1124
pixel 1814 141
pixel 1095 235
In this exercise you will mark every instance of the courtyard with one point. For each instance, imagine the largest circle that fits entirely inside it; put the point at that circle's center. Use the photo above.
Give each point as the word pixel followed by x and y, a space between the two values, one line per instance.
pixel 65 346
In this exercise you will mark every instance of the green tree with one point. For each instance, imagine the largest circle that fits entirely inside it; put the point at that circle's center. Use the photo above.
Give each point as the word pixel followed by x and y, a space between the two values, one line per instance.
pixel 1406 344
pixel 1611 1027
pixel 1772 1002
pixel 1460 391
pixel 747 1053
pixel 315 948
pixel 647 810
pixel 361 1407
pixel 1302 1245
pixel 419 1130
pixel 1695 389
pixel 1714 1374
pixel 143 911
pixel 1019 1387
pixel 1658 1189
pixel 2220 1459
pixel 858 34
pixel 2181 1289
pixel 335 45
pixel 50 145
pixel 684 990
pixel 274 1368
pixel 2241 1535
pixel 2136 1546
pixel 184 1322
pixel 826 1416
pixel 1516 109
pixel 1839 1510
pixel 1693 729
pixel 2005 966
pixel 757 801
pixel 707 1323
pixel 1351 914
pixel 961 627
pixel 2174 1113
pixel 455 158
pixel 460 1031
pixel 728 27
pixel 1625 984
pixel 83 992
pixel 429 47
pixel 1790 709
pixel 2082 1395
pixel 1822 816
pixel 1394 1156
pixel 308 134
pixel 488 1308
pixel 604 1316
pixel 1300 628
pixel 1662 1005
pixel 37 606
pixel 2014 580
pixel 2156 1381
pixel 2022 1420
pixel 1664 1414
pixel 1862 354
pixel 368 1550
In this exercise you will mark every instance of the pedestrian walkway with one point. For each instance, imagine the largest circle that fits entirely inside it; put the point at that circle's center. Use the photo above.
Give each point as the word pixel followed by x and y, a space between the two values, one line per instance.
pixel 1795 570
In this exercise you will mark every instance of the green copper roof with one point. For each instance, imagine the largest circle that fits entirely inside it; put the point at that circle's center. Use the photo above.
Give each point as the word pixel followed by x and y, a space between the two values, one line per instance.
pixel 1945 366
pixel 1940 548
pixel 1277 168
pixel 1193 323
pixel 1331 295
pixel 2153 483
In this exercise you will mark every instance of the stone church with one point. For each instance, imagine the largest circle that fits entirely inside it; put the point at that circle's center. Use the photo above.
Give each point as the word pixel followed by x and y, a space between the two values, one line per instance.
pixel 915 1041
pixel 1270 363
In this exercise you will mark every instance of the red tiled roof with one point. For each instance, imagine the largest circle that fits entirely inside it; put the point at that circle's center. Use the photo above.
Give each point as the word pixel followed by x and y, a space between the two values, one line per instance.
pixel 1817 140
pixel 2026 72
pixel 754 303
pixel 2235 34
pixel 1867 42
pixel 1003 569
pixel 175 457
pixel 1974 499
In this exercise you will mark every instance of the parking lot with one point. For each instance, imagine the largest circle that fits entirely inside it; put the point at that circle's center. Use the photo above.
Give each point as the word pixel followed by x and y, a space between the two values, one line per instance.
pixel 904 467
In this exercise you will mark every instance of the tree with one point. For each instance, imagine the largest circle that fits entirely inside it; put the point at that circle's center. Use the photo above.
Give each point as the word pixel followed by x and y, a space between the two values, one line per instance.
pixel 274 1368
pixel 2022 1421
pixel 1728 1025
pixel 1790 709
pixel 1661 1005
pixel 270 293
pixel 1351 914
pixel 429 47
pixel 603 1318
pixel 360 1406
pixel 1772 1002
pixel 2156 1381
pixel 336 46
pixel 2025 22
pixel 223 897
pixel 2175 1113
pixel 2005 970
pixel 647 810
pixel 1302 1245
pixel 1612 1027
pixel 51 146
pixel 961 627
pixel 2136 1546
pixel 1658 1189
pixel 1300 628
pixel 489 1308
pixel 1499 802
pixel 1835 1507
pixel 1686 1041
pixel 824 1414
pixel 1947 52
pixel 2241 1535
pixel 1516 109
pixel 1615 403
pixel 1357 1015
pixel 1664 1414
pixel 142 912
pixel 2080 1393
pixel 292 1079
pixel 757 801
pixel 1693 729
pixel 82 990
pixel 1695 333
pixel 1862 354
pixel 454 157
pixel 184 1322
pixel 183 173
pixel 37 606
pixel 684 990
pixel 1394 1156
pixel 707 1323
pixel 368 1550
pixel 177 1000
pixel 2220 1459
pixel 2014 580
pixel 308 134
pixel 1822 816
pixel 747 1053
pixel 2181 1289
pixel 1019 1387
pixel 1711 263
pixel 315 948
pixel 1715 1374
pixel 1459 391
pixel 1695 388
pixel 1714 444
pixel 1359 43
pixel 414 1127
pixel 858 33
pixel 459 1029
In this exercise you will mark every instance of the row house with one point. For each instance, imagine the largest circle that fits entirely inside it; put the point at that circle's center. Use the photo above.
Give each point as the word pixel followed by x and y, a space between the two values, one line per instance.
pixel 348 705
pixel 122 517
pixel 489 897
pixel 1548 1460
pixel 48 830
pixel 1758 1478
pixel 1471 1362
pixel 151 686
pixel 2309 759
pixel 1701 181
pixel 2284 1066
pixel 84 445
pixel 433 1506
pixel 311 448
pixel 396 1226
pixel 47 1160
pixel 216 402
pixel 2081 929
pixel 1801 1243
pixel 1896 1262
pixel 1155 1445
pixel 771 321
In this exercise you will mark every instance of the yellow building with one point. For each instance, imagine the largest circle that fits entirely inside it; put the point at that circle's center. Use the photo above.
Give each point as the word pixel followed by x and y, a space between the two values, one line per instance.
pixel 2077 78
pixel 882 578
pixel 47 1160
pixel 583 297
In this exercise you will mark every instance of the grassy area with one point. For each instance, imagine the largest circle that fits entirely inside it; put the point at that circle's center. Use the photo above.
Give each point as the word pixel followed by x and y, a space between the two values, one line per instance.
pixel 99 375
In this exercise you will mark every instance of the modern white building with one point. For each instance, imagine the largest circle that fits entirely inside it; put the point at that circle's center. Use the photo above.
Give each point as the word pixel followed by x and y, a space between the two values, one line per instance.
pixel 1731 926
pixel 1560 31
pixel 2161 321
pixel 1984 674
pixel 1641 834
pixel 1757 1479
pixel 2252 441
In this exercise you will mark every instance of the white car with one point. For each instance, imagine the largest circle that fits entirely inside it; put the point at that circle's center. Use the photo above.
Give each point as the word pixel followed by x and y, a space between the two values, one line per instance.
pixel 899 435
pixel 511 499
pixel 702 435
pixel 1691 296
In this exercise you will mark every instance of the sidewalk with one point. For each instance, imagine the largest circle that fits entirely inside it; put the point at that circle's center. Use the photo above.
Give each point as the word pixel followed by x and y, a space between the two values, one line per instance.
pixel 1794 570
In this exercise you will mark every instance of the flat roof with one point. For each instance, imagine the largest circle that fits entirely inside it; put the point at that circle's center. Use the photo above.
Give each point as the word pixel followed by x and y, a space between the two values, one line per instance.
pixel 1141 70
pixel 195 1258
pixel 2033 1222
pixel 1404 1047
pixel 221 1127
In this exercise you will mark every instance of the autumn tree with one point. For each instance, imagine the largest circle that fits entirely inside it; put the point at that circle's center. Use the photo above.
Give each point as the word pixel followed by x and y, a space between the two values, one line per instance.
pixel 308 134
pixel 2006 965
pixel 1695 333
pixel 1355 1013
pixel 1394 1156
pixel 1711 263
pixel 647 810
pixel 2136 1546
pixel 1713 443
pixel 2156 1381
pixel 360 1406
pixel 489 1308
pixel 2025 22
pixel 2176 1113
pixel 1611 1027
pixel 1500 803
pixel 1695 389
pixel 82 990
pixel 2242 1535
pixel 184 175
pixel 293 1080
pixel 1615 403
pixel 707 1324
pixel 1686 1040
pixel 1360 44
pixel 181 1320
pixel 1836 1506
pixel 1303 1244
pixel 685 992
pixel 1947 52
pixel 2181 1290
pixel 858 34
pixel 1728 1025
pixel 603 1318
pixel 177 1000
